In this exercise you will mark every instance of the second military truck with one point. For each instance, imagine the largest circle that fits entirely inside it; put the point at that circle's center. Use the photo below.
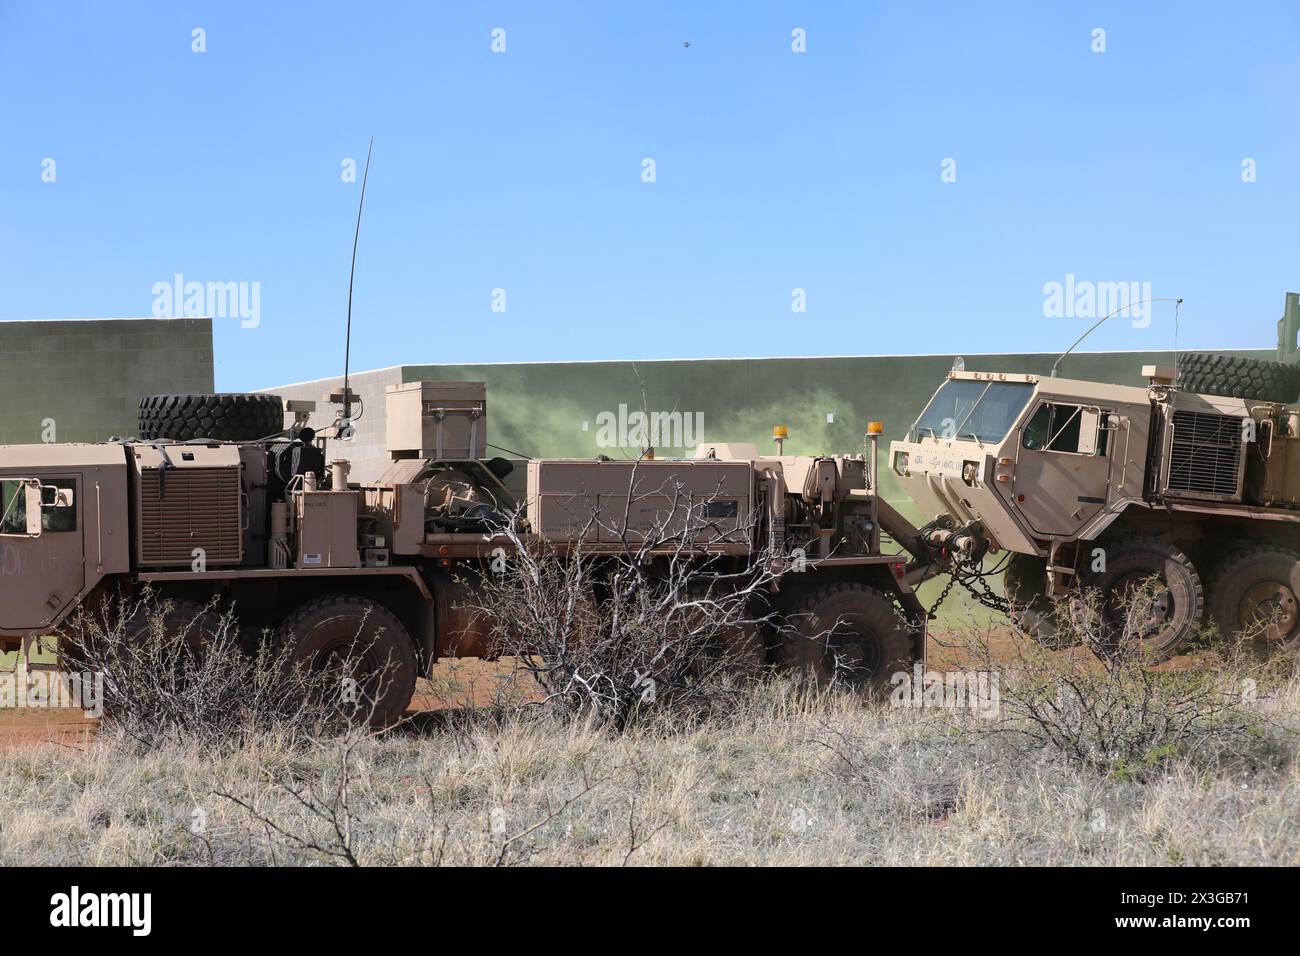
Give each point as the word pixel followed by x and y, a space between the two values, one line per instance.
pixel 1106 487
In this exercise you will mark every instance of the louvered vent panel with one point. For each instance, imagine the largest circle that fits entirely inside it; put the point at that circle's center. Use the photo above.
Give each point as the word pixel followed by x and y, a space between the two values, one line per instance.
pixel 190 508
pixel 1205 455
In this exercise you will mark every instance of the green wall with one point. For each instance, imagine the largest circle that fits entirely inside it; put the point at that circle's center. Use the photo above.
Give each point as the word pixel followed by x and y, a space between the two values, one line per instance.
pixel 87 376
pixel 539 409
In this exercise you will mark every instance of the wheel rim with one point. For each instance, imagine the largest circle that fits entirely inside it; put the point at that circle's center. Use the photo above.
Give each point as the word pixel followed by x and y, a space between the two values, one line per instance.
pixel 342 661
pixel 1127 606
pixel 1271 604
pixel 852 653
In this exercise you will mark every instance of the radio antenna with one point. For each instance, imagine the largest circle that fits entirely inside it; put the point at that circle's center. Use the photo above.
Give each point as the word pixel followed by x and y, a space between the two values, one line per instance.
pixel 1124 308
pixel 352 274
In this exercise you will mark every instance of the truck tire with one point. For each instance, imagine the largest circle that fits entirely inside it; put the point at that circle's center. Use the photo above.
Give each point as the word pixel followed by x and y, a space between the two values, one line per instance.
pixel 848 634
pixel 361 640
pixel 1032 612
pixel 196 626
pixel 1236 377
pixel 738 652
pixel 1255 594
pixel 1176 606
pixel 230 416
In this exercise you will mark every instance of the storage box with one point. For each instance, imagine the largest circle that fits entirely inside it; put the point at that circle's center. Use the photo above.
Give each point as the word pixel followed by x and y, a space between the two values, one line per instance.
pixel 708 500
pixel 327 529
pixel 443 421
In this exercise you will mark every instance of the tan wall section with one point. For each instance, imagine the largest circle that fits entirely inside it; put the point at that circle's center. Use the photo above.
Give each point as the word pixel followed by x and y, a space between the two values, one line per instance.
pixel 368 450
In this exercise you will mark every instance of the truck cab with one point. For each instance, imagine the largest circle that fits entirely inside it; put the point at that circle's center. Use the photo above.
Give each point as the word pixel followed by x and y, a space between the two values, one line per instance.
pixel 1104 487
pixel 63 529
pixel 1031 459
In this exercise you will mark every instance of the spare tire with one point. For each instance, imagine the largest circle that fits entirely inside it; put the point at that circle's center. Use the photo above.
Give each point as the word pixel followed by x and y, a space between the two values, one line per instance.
pixel 1233 376
pixel 230 416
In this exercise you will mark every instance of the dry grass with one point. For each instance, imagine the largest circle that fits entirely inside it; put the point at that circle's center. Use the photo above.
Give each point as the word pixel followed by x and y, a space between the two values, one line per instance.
pixel 784 780
pixel 1133 766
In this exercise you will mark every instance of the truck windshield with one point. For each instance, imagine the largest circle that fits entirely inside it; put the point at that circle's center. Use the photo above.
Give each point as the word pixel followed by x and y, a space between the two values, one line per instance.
pixel 964 408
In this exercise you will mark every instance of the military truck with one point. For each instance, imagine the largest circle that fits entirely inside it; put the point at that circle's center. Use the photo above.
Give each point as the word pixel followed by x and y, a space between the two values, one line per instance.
pixel 273 531
pixel 1193 481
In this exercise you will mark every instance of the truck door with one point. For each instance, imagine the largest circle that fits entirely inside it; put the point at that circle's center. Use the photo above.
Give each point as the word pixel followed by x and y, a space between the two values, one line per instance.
pixel 1062 467
pixel 42 567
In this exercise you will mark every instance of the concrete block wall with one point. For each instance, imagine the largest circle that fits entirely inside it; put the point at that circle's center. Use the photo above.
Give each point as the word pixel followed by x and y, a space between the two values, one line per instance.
pixel 84 378
pixel 368 451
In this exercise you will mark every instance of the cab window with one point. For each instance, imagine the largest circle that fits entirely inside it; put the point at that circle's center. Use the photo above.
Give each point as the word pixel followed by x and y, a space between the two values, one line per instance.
pixel 13 508
pixel 966 408
pixel 1055 427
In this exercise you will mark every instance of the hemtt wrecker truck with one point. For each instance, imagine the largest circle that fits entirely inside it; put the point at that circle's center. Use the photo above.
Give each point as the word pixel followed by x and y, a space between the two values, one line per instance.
pixel 1193 481
pixel 202 509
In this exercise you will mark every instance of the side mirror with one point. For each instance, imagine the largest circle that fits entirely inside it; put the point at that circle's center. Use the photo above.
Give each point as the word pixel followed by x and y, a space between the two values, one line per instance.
pixel 1089 426
pixel 32 500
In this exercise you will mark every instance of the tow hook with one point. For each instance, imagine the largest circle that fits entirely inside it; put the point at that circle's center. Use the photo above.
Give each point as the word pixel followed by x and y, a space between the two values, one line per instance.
pixel 966 543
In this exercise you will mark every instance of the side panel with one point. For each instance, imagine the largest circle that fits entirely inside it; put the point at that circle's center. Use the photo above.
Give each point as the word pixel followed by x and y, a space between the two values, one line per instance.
pixel 563 494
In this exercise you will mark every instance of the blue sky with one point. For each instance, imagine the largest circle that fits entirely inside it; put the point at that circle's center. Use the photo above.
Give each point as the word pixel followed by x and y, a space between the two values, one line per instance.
pixel 774 170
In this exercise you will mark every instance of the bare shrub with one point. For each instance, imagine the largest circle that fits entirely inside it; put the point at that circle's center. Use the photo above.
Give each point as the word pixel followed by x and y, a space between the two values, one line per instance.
pixel 175 670
pixel 1101 703
pixel 670 618
pixel 324 810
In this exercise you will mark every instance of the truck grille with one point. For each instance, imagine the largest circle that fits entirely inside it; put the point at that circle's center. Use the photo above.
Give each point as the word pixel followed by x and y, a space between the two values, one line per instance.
pixel 188 508
pixel 1205 455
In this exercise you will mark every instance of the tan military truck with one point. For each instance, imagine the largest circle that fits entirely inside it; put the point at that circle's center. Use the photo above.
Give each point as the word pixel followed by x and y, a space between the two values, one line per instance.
pixel 274 531
pixel 1090 485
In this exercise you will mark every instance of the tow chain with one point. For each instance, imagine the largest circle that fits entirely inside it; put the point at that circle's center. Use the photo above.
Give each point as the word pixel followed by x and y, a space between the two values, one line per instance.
pixel 934 608
pixel 984 595
pixel 970 574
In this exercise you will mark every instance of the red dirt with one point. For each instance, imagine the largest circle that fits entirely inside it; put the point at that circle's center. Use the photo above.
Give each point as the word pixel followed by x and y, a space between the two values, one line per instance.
pixel 26 727
pixel 456 684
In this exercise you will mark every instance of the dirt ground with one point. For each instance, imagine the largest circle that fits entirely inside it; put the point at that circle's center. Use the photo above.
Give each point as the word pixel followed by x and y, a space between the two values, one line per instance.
pixel 455 684
pixel 24 727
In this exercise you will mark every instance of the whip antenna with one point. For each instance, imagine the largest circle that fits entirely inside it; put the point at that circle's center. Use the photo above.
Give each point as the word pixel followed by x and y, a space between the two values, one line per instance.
pixel 352 274
pixel 1123 308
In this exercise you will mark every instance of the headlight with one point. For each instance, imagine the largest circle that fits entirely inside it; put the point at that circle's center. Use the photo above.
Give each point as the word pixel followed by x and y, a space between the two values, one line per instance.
pixel 969 471
pixel 900 463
